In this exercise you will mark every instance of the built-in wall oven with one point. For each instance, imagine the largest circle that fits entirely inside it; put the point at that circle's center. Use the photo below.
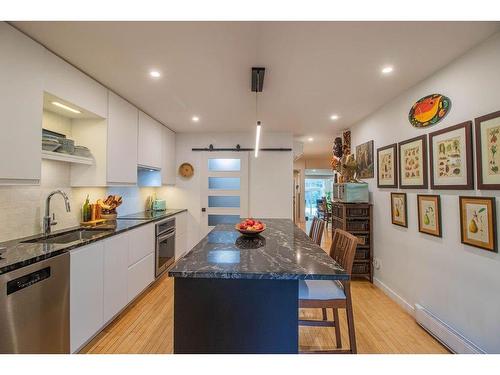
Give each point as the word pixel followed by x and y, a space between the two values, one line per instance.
pixel 165 245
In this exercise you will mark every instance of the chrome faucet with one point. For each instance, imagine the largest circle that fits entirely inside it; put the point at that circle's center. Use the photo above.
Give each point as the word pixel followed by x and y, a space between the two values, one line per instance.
pixel 49 221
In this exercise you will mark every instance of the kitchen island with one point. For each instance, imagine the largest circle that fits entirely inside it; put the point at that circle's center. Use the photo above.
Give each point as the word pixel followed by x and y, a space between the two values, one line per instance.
pixel 234 294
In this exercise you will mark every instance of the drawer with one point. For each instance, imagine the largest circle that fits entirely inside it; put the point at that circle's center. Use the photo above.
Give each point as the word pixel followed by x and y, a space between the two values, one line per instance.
pixel 142 243
pixel 357 225
pixel 358 211
pixel 360 268
pixel 362 254
pixel 338 211
pixel 139 276
pixel 364 239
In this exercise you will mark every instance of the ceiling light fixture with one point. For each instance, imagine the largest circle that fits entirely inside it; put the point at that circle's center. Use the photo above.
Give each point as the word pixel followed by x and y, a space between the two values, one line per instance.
pixel 387 69
pixel 155 74
pixel 195 118
pixel 310 139
pixel 334 117
pixel 257 86
pixel 63 106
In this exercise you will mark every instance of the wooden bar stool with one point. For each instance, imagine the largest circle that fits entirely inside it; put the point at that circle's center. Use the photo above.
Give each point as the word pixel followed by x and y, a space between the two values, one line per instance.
pixel 324 294
pixel 316 231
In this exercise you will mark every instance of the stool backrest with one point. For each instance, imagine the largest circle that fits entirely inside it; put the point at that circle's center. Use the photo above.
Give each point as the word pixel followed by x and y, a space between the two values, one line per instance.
pixel 343 249
pixel 316 231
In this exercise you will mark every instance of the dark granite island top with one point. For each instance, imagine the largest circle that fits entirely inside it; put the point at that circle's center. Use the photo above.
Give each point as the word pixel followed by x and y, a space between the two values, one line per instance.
pixel 283 251
pixel 240 295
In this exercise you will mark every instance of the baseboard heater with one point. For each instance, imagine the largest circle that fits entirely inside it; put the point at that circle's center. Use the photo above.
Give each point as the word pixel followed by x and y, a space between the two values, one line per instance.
pixel 444 333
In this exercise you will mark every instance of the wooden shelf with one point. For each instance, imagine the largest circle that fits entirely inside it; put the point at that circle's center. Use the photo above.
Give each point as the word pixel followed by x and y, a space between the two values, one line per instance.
pixel 51 155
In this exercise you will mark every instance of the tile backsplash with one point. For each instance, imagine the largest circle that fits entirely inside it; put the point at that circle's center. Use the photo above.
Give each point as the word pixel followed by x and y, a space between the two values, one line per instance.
pixel 22 207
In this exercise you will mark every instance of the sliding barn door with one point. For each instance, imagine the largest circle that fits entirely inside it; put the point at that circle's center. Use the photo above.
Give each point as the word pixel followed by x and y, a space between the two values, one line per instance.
pixel 224 188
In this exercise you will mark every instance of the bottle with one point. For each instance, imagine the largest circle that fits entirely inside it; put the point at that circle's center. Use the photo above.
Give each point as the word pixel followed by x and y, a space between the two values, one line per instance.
pixel 86 210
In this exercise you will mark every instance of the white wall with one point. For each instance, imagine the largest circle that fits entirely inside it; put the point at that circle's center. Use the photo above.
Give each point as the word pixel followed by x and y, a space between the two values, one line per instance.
pixel 270 176
pixel 458 283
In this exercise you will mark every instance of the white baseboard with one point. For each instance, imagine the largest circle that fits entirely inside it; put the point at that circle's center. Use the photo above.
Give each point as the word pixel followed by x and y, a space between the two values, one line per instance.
pixel 444 333
pixel 394 296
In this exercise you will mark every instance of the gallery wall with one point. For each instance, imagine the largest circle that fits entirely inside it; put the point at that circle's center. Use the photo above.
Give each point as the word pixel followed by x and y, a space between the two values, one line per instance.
pixel 457 283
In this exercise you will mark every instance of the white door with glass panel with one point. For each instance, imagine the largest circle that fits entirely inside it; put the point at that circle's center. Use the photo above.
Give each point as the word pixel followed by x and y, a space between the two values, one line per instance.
pixel 224 188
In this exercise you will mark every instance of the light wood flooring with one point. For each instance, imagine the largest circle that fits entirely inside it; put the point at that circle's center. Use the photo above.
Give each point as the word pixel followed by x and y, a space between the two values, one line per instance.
pixel 382 326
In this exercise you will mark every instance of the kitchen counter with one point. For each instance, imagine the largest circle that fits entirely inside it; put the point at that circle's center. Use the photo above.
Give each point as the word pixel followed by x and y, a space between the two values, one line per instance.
pixel 234 294
pixel 283 251
pixel 16 254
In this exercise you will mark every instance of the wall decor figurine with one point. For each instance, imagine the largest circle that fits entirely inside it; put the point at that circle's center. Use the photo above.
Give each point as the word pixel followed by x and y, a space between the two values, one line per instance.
pixel 413 163
pixel 429 214
pixel 399 211
pixel 488 151
pixel 478 222
pixel 429 110
pixel 387 166
pixel 451 158
pixel 346 141
pixel 364 157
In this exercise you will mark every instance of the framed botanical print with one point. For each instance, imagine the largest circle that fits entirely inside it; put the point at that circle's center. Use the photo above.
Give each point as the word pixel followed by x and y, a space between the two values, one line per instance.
pixel 488 151
pixel 364 157
pixel 451 158
pixel 399 211
pixel 478 222
pixel 413 163
pixel 387 166
pixel 429 214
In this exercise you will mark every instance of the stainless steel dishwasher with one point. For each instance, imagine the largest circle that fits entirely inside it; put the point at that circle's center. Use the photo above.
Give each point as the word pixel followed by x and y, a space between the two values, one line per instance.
pixel 34 308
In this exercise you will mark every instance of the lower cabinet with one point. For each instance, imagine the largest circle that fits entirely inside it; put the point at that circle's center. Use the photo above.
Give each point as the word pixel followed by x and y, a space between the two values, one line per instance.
pixel 115 273
pixel 140 275
pixel 103 281
pixel 86 293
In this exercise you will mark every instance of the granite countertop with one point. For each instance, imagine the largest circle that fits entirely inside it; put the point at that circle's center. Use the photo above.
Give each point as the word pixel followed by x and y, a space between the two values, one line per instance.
pixel 283 252
pixel 16 254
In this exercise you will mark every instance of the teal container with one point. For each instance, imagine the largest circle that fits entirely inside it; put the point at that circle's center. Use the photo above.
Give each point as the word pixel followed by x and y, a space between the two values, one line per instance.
pixel 351 192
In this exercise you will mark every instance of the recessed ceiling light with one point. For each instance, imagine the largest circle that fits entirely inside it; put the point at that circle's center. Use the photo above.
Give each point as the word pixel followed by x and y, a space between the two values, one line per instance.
pixel 195 118
pixel 387 69
pixel 155 74
pixel 334 117
pixel 63 106
pixel 310 139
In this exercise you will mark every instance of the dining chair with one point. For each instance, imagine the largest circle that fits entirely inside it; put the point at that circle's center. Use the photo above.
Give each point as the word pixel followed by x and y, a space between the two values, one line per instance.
pixel 325 294
pixel 316 231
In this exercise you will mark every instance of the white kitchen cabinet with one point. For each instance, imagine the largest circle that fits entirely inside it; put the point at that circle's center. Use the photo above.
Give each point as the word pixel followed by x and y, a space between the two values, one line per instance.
pixel 181 246
pixel 70 84
pixel 168 167
pixel 115 275
pixel 140 275
pixel 86 293
pixel 150 142
pixel 141 243
pixel 122 141
pixel 21 102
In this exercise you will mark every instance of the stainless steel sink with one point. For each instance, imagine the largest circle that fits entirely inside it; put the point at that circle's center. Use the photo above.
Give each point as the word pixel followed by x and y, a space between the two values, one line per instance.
pixel 78 235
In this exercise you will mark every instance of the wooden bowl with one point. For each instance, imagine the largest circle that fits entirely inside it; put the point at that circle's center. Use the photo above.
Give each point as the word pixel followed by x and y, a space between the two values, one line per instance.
pixel 250 233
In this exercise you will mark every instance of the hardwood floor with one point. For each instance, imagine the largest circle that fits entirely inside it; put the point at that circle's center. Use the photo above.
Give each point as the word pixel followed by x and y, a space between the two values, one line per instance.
pixel 381 325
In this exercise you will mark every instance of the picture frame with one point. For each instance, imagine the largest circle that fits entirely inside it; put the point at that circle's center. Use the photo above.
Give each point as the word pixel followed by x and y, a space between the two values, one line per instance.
pixel 399 209
pixel 478 222
pixel 451 158
pixel 387 166
pixel 413 163
pixel 365 159
pixel 429 214
pixel 487 130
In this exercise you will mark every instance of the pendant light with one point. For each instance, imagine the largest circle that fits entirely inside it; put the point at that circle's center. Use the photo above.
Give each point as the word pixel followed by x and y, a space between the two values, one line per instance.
pixel 257 86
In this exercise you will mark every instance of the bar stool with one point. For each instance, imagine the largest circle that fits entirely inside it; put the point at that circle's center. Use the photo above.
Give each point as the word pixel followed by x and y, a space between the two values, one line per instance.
pixel 324 294
pixel 316 231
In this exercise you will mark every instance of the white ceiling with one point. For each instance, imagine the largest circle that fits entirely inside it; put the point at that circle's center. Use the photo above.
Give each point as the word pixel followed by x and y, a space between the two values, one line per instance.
pixel 313 69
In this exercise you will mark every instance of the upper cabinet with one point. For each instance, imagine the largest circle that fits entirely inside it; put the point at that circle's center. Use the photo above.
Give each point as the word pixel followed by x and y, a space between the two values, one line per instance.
pixel 68 83
pixel 149 142
pixel 21 91
pixel 122 141
pixel 168 167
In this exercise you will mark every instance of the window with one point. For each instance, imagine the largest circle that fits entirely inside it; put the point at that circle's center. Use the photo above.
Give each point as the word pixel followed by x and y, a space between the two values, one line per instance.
pixel 214 220
pixel 224 165
pixel 224 183
pixel 229 201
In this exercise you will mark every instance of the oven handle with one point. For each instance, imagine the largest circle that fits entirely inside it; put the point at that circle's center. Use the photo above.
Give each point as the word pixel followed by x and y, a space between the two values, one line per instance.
pixel 166 236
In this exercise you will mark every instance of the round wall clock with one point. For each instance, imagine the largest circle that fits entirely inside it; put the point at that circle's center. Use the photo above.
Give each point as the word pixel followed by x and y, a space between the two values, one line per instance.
pixel 186 170
pixel 429 110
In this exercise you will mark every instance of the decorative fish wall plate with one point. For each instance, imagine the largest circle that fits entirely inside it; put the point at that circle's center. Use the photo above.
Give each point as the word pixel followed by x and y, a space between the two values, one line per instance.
pixel 429 110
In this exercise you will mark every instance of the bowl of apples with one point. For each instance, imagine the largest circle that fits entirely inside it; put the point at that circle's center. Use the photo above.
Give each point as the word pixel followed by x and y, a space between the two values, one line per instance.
pixel 250 227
